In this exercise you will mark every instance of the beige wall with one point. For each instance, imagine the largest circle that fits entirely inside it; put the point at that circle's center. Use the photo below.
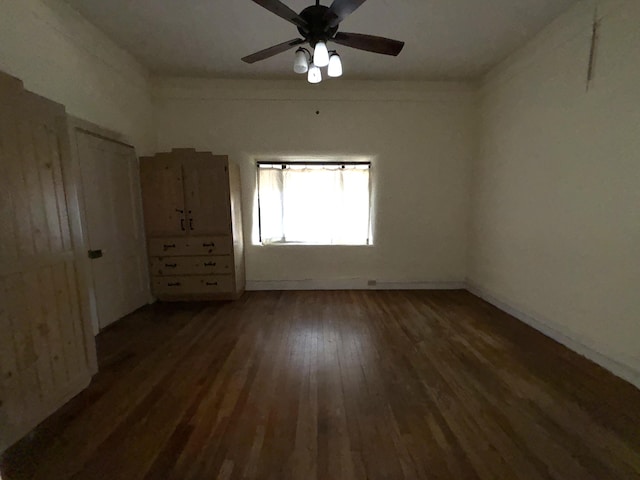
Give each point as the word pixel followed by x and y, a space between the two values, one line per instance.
pixel 556 195
pixel 419 136
pixel 61 56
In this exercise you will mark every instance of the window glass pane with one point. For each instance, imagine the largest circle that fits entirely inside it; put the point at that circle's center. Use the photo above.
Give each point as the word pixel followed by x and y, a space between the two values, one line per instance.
pixel 270 197
pixel 317 204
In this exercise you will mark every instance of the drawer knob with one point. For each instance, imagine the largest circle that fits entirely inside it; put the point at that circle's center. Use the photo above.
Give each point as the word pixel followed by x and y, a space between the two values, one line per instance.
pixel 212 284
pixel 171 265
pixel 174 284
pixel 209 264
pixel 209 244
pixel 167 246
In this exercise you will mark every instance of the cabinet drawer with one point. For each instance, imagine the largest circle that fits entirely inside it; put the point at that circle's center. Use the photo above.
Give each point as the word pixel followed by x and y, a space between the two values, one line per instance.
pixel 192 285
pixel 171 285
pixel 211 245
pixel 212 284
pixel 167 246
pixel 174 246
pixel 163 266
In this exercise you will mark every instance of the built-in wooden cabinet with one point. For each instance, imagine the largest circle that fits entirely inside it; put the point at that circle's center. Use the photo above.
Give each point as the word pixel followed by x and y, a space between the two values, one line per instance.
pixel 193 225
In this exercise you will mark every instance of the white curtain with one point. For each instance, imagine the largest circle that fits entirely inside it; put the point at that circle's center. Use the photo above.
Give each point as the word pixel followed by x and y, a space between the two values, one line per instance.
pixel 317 204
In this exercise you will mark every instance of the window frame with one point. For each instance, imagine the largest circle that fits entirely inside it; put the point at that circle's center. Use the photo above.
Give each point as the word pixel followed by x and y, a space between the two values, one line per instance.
pixel 284 164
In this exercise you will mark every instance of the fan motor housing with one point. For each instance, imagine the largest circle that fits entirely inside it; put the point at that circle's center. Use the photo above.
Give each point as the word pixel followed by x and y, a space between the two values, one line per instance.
pixel 316 18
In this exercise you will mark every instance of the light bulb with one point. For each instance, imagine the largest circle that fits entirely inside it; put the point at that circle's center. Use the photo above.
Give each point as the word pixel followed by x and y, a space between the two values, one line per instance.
pixel 300 64
pixel 335 66
pixel 321 54
pixel 315 75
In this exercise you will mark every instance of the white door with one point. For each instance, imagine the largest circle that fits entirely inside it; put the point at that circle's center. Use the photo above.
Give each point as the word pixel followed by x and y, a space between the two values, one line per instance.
pixel 113 219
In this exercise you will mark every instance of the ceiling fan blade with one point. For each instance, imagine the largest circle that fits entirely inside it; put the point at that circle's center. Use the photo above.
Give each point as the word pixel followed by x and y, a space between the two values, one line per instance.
pixel 370 43
pixel 340 9
pixel 271 51
pixel 280 9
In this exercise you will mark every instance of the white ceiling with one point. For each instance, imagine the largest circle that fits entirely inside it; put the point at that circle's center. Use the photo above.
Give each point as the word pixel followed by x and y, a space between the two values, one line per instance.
pixel 445 39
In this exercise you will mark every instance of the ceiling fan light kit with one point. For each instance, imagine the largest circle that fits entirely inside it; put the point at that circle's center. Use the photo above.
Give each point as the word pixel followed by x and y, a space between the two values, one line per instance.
pixel 304 62
pixel 319 25
pixel 301 63
pixel 315 74
pixel 321 54
pixel 335 65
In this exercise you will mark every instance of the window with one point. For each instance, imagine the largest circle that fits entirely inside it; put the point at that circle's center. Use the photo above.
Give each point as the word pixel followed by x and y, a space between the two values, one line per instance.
pixel 314 203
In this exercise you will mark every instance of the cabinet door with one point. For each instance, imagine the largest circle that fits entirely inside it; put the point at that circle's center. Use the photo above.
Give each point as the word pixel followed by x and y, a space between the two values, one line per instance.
pixel 207 195
pixel 45 345
pixel 163 197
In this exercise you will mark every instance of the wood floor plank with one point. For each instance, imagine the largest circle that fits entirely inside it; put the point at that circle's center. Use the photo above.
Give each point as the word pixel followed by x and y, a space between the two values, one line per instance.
pixel 336 385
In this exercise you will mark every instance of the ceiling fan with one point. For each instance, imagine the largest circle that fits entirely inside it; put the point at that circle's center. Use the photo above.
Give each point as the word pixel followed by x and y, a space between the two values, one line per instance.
pixel 318 24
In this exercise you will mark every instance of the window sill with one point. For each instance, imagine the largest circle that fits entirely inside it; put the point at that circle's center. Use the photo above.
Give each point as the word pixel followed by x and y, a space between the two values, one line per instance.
pixel 294 244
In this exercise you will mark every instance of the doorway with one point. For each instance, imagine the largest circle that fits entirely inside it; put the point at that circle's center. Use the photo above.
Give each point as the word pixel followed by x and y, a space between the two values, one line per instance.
pixel 117 261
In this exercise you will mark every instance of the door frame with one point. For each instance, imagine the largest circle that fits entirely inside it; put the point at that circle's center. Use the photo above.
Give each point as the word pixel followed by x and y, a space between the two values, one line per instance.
pixel 79 126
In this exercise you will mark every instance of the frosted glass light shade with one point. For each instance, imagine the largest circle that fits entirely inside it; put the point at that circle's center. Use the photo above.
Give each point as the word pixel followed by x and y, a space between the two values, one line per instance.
pixel 300 64
pixel 315 75
pixel 321 55
pixel 335 66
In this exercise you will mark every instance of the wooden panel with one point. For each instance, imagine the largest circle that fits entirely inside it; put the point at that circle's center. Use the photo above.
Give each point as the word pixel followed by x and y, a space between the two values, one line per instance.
pixel 163 197
pixel 34 197
pixel 16 192
pixel 12 204
pixel 207 194
pixel 45 357
pixel 191 265
pixel 173 246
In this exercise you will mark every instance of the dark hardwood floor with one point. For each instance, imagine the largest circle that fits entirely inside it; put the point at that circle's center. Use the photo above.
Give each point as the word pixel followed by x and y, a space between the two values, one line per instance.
pixel 337 385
